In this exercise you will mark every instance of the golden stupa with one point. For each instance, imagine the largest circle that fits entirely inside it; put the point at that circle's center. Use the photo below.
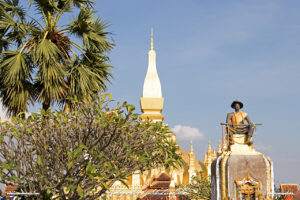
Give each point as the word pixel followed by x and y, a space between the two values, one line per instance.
pixel 143 185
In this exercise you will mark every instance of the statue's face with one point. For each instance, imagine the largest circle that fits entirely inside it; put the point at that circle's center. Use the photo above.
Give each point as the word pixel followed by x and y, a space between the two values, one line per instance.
pixel 237 106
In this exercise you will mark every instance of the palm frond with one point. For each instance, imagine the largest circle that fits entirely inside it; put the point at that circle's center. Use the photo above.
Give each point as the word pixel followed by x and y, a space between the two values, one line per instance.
pixel 87 77
pixel 15 78
pixel 13 29
pixel 81 3
pixel 17 97
pixel 45 51
pixel 13 8
pixel 7 21
pixel 4 44
pixel 91 30
pixel 41 69
pixel 15 67
pixel 50 83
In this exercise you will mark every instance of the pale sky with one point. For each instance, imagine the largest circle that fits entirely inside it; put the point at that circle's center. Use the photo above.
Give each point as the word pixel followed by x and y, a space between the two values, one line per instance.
pixel 210 53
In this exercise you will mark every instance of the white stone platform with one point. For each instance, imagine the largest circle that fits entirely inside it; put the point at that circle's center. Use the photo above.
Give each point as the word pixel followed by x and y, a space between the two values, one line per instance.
pixel 240 147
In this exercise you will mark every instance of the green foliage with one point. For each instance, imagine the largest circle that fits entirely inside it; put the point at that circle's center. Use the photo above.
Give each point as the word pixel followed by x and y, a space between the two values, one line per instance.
pixel 71 154
pixel 40 60
pixel 200 188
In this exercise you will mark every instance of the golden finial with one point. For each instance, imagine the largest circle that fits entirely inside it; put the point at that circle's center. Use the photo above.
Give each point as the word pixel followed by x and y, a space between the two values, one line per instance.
pixel 192 149
pixel 209 147
pixel 151 48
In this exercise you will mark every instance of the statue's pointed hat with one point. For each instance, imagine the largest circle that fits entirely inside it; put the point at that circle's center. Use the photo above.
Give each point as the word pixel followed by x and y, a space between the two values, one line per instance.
pixel 237 101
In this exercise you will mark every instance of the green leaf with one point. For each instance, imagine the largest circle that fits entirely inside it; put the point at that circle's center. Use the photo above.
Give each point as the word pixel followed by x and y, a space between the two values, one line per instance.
pixel 89 167
pixel 79 150
pixel 39 160
pixel 105 185
pixel 124 183
pixel 70 179
pixel 79 191
pixel 72 187
pixel 70 164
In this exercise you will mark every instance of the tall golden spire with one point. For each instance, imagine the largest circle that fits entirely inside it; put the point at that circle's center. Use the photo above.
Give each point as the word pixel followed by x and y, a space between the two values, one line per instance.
pixel 192 170
pixel 192 157
pixel 152 101
pixel 209 147
pixel 214 155
pixel 191 149
pixel 151 47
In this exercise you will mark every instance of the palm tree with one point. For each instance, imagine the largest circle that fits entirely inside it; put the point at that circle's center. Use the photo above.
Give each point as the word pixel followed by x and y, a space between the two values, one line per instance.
pixel 46 61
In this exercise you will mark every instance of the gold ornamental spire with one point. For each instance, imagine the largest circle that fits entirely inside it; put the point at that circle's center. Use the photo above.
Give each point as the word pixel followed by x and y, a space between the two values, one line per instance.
pixel 192 171
pixel 209 147
pixel 152 86
pixel 191 149
pixel 151 47
pixel 152 100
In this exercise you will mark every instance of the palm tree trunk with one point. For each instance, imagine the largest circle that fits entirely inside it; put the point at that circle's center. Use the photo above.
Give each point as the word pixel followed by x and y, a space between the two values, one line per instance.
pixel 46 105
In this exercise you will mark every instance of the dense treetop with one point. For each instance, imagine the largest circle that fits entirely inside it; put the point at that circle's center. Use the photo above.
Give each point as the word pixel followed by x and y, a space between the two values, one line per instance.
pixel 47 61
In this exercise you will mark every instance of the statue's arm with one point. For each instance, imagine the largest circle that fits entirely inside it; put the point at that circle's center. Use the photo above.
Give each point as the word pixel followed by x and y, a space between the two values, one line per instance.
pixel 248 120
pixel 228 118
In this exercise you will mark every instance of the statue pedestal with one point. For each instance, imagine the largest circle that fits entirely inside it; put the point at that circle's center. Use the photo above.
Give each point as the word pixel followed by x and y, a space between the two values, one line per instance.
pixel 240 147
pixel 241 173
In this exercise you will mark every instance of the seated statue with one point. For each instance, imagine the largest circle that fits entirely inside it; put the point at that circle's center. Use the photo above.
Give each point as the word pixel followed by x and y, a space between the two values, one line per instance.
pixel 236 123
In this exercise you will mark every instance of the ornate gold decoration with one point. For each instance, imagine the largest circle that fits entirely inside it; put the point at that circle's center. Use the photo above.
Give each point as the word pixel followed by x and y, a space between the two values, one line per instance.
pixel 223 176
pixel 248 186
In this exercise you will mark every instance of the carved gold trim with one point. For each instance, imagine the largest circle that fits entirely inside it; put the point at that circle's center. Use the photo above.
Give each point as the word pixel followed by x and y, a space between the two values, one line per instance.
pixel 152 117
pixel 224 193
